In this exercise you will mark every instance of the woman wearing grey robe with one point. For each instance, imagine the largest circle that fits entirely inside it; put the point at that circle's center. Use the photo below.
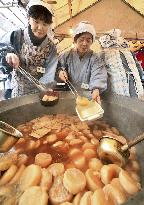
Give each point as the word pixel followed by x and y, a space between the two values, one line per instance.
pixel 81 65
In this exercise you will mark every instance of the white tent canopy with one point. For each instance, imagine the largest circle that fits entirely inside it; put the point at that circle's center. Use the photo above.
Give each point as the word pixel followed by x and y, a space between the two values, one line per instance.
pixel 66 13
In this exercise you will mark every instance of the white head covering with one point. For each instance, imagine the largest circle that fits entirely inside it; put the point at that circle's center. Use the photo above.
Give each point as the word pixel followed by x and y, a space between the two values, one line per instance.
pixel 113 39
pixel 83 27
pixel 41 3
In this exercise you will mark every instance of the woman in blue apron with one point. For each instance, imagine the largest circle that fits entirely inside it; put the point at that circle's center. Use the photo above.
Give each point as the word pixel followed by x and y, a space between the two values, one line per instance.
pixel 81 65
pixel 33 49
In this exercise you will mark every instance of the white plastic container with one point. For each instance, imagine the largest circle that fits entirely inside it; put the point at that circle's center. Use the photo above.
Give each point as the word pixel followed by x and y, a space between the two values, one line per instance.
pixel 89 112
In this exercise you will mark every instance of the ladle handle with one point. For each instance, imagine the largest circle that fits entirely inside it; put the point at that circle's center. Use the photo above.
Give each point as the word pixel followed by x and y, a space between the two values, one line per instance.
pixel 135 141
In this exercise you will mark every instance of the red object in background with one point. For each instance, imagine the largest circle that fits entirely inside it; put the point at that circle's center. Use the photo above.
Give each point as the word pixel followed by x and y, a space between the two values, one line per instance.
pixel 140 57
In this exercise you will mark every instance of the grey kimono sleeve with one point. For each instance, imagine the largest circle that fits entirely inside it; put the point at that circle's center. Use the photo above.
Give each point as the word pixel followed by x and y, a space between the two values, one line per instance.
pixel 50 66
pixel 6 47
pixel 14 39
pixel 6 43
pixel 98 78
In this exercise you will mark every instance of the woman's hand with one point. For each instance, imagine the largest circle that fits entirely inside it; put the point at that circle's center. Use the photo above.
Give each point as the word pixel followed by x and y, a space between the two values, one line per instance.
pixel 96 96
pixel 63 75
pixel 13 60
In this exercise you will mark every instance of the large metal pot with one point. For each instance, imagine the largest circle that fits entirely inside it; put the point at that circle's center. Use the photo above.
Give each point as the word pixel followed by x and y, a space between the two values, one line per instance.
pixel 125 113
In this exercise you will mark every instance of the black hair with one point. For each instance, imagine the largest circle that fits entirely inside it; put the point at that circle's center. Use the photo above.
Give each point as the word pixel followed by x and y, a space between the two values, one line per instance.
pixel 79 35
pixel 40 12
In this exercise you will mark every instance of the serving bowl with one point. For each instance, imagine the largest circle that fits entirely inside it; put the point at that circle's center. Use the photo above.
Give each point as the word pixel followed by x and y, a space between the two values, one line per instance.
pixel 49 98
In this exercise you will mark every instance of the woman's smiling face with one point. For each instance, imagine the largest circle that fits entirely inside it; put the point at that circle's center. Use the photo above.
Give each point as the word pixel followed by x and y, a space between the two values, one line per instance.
pixel 38 27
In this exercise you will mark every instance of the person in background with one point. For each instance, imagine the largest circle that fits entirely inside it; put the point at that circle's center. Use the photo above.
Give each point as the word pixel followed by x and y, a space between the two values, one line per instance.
pixel 140 56
pixel 32 49
pixel 81 65
pixel 5 70
pixel 124 71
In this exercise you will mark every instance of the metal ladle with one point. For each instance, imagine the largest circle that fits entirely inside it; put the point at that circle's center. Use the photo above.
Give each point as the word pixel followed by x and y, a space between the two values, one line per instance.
pixel 111 150
pixel 8 136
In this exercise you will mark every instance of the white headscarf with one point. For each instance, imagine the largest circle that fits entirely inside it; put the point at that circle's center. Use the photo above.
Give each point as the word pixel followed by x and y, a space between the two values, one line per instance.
pixel 113 39
pixel 41 3
pixel 83 27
